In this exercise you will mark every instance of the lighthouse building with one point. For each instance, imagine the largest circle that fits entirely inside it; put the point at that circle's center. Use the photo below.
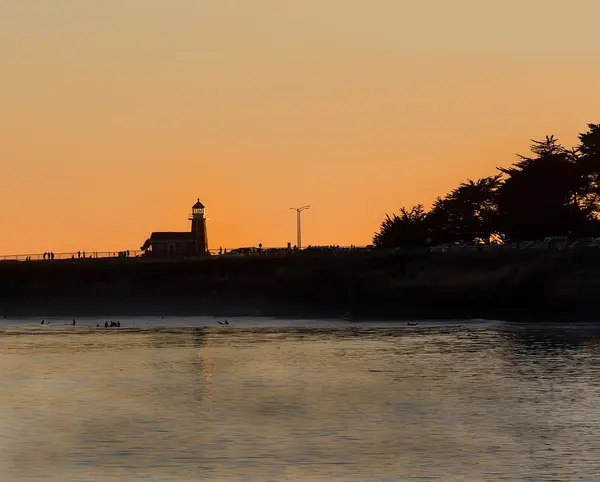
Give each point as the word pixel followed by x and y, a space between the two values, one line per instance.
pixel 181 244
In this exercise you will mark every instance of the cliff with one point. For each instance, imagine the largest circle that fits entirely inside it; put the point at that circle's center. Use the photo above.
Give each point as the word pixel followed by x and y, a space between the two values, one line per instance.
pixel 512 284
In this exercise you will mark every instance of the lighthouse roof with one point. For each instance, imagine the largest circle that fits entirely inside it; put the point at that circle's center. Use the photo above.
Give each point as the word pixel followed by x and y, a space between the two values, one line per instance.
pixel 198 205
pixel 170 237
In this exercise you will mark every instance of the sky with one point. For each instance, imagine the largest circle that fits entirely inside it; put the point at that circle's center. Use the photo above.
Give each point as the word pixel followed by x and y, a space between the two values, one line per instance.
pixel 116 115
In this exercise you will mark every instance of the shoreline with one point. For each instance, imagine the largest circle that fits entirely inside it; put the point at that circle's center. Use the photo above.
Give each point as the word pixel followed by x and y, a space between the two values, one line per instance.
pixel 173 310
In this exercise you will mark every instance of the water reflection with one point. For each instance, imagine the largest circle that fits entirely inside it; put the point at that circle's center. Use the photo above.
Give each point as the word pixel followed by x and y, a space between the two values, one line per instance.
pixel 481 403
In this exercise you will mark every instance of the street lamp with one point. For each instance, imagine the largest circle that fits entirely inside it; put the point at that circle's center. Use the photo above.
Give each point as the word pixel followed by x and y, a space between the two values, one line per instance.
pixel 298 225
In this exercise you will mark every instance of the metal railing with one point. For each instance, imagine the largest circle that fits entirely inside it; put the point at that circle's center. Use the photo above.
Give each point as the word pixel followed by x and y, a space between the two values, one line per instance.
pixel 246 251
pixel 49 256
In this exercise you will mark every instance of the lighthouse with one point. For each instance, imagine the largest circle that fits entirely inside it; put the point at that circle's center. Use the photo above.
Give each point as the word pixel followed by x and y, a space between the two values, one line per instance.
pixel 198 219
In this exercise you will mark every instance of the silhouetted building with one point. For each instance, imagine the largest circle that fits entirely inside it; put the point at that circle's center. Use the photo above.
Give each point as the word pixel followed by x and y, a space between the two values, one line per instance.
pixel 177 244
pixel 198 219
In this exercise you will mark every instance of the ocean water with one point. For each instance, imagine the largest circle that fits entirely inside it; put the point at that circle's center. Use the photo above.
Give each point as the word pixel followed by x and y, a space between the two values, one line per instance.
pixel 186 399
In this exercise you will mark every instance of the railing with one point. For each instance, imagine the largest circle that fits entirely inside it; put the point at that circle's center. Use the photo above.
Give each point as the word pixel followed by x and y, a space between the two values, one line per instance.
pixel 74 255
pixel 281 251
pixel 247 251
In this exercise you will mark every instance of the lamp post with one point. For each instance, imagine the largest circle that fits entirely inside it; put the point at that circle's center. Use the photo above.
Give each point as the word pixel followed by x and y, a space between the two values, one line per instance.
pixel 298 224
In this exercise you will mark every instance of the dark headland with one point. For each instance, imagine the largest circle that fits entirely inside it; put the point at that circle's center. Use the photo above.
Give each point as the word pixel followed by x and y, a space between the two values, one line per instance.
pixel 503 284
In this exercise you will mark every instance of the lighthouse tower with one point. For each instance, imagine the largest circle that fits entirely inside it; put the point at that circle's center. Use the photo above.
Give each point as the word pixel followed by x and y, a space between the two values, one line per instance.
pixel 198 219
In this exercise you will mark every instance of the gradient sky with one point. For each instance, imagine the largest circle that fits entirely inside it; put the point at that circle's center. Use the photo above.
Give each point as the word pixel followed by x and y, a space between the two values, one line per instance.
pixel 115 115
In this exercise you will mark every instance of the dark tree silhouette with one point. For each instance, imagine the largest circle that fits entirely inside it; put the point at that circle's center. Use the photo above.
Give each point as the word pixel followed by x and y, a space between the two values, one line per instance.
pixel 590 142
pixel 409 229
pixel 588 161
pixel 553 192
pixel 540 195
pixel 467 214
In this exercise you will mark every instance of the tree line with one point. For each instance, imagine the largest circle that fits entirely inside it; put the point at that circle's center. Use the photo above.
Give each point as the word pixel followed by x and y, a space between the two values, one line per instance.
pixel 554 191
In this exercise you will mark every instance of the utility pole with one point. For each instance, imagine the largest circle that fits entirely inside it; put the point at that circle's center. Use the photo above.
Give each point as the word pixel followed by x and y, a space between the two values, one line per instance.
pixel 299 225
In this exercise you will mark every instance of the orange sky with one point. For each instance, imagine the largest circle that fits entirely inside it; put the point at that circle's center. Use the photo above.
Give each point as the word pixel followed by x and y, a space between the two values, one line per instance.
pixel 115 115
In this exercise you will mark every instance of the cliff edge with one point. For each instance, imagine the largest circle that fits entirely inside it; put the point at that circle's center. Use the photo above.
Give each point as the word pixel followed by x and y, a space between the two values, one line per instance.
pixel 513 284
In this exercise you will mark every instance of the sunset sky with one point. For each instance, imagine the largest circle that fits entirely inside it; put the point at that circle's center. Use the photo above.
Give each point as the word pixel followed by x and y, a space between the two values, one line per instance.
pixel 115 115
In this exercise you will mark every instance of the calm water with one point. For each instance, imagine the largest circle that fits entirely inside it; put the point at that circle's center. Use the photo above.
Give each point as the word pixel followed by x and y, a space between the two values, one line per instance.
pixel 170 400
